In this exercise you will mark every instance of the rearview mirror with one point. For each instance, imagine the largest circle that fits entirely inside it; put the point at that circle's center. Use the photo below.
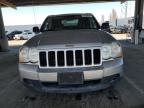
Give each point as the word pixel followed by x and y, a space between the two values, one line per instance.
pixel 36 29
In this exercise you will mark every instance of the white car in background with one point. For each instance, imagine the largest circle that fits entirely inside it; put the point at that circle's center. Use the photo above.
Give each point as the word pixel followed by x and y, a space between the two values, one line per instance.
pixel 24 35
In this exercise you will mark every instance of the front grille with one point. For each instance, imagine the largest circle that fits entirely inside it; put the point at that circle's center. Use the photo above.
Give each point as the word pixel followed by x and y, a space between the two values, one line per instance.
pixel 79 57
pixel 70 58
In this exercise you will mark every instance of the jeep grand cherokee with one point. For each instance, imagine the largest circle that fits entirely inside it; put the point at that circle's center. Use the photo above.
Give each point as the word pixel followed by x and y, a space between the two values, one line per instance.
pixel 71 54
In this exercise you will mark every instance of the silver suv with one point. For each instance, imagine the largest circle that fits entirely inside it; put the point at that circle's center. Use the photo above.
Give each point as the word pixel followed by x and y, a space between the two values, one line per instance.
pixel 71 54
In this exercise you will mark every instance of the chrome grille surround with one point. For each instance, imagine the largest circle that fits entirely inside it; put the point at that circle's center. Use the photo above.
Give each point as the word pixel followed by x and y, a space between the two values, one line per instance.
pixel 74 57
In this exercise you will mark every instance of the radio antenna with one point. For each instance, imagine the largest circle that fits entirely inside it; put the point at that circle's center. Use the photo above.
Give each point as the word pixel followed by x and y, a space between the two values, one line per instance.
pixel 34 13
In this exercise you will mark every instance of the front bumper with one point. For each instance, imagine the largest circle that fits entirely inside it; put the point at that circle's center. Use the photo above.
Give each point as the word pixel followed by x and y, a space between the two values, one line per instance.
pixel 95 78
pixel 87 87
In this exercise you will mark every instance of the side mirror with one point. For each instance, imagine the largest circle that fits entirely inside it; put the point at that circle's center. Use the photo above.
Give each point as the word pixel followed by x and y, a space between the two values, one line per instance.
pixel 36 29
pixel 105 26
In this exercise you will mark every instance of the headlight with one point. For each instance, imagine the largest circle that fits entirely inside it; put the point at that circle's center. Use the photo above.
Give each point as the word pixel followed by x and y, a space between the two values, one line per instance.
pixel 24 55
pixel 112 50
pixel 33 55
pixel 28 55
pixel 106 51
pixel 116 50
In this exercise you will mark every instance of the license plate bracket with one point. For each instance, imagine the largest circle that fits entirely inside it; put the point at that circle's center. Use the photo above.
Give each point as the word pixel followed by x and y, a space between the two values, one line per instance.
pixel 70 78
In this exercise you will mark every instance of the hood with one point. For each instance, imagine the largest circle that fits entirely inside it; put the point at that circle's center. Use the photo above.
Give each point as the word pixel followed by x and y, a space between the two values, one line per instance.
pixel 70 37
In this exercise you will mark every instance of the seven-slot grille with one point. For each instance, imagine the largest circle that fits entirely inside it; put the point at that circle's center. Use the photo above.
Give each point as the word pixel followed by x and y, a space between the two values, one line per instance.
pixel 70 58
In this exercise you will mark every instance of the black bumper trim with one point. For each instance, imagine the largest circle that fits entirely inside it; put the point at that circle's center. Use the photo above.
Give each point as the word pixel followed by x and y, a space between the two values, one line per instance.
pixel 87 87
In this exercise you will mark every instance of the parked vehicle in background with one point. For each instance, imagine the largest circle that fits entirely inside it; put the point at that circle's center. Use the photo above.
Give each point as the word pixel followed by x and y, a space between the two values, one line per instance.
pixel 26 31
pixel 112 28
pixel 119 29
pixel 24 36
pixel 6 32
pixel 12 34
pixel 123 29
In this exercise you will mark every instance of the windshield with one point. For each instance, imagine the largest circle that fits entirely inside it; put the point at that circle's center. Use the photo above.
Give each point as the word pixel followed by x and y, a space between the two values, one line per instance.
pixel 69 22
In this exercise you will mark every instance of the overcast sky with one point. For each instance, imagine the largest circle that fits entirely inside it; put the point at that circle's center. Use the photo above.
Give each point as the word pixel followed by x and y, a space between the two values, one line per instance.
pixel 36 14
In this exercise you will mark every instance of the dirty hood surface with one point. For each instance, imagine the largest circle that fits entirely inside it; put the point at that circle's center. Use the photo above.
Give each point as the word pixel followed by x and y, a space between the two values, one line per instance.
pixel 70 37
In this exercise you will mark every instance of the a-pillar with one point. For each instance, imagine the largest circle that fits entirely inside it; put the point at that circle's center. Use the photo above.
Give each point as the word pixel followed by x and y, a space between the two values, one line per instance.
pixel 3 38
